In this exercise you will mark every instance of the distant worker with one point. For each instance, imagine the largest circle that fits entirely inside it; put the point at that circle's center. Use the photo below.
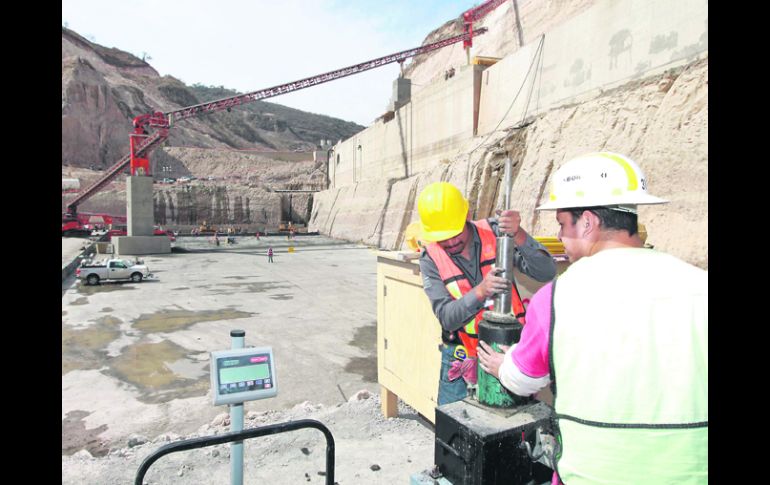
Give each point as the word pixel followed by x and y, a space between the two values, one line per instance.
pixel 270 254
pixel 623 335
pixel 216 239
pixel 460 279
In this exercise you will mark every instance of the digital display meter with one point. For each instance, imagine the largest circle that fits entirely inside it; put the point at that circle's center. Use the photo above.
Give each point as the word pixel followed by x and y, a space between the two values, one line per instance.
pixel 240 375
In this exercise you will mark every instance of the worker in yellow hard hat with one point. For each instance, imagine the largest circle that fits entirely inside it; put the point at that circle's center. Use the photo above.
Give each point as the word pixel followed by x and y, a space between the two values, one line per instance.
pixel 460 279
pixel 623 333
pixel 413 236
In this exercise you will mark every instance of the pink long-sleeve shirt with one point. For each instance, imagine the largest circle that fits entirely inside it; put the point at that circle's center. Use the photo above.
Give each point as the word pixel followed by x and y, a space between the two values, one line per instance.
pixel 531 353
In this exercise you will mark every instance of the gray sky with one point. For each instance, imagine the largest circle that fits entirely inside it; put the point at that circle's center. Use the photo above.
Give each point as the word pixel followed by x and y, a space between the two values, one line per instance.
pixel 249 45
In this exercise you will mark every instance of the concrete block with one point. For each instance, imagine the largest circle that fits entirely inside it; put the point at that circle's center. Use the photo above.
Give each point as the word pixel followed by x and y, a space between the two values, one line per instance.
pixel 402 93
pixel 137 245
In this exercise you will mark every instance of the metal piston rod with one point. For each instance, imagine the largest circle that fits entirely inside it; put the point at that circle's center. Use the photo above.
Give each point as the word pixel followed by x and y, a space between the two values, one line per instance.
pixel 498 326
pixel 505 245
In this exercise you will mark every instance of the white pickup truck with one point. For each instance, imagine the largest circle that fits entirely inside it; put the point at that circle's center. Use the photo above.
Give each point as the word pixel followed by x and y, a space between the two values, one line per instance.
pixel 111 269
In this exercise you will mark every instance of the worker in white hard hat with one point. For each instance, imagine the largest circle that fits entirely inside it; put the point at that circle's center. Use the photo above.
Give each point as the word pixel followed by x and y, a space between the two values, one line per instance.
pixel 621 336
pixel 459 277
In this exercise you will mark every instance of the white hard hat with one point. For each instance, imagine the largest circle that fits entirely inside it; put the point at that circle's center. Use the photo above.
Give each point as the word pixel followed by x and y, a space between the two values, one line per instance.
pixel 600 180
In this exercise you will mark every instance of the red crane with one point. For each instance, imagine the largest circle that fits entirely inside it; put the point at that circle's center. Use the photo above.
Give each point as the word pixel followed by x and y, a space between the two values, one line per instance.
pixel 142 142
pixel 474 14
pixel 78 225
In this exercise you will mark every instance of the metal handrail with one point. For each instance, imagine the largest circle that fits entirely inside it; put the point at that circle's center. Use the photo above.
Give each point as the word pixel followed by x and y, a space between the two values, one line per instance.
pixel 192 444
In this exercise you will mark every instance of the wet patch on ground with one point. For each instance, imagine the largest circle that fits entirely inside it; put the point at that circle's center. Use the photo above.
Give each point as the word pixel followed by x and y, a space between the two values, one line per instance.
pixel 173 320
pixel 106 309
pixel 366 367
pixel 365 338
pixel 63 313
pixel 75 436
pixel 255 287
pixel 282 296
pixel 146 366
pixel 102 288
pixel 180 288
pixel 239 277
pixel 80 301
pixel 83 349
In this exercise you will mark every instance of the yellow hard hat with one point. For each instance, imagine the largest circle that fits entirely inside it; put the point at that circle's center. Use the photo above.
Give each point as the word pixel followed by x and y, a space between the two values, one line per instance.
pixel 412 235
pixel 443 211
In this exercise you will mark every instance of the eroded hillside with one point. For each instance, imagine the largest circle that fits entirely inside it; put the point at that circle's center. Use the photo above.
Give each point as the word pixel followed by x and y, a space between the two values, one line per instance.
pixel 104 89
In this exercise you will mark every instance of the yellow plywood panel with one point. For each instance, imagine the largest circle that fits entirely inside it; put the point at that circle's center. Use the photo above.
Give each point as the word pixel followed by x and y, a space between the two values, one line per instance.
pixel 408 335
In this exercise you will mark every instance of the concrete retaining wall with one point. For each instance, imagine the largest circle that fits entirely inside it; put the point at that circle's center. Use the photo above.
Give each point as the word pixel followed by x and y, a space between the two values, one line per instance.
pixel 384 208
pixel 422 133
pixel 626 76
pixel 139 245
pixel 70 268
pixel 610 44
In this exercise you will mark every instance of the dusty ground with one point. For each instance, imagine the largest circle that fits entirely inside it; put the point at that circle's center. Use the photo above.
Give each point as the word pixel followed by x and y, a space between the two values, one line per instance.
pixel 368 449
pixel 135 365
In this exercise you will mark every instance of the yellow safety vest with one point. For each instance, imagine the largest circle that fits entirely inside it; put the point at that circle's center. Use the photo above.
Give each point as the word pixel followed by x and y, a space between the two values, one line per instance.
pixel 629 359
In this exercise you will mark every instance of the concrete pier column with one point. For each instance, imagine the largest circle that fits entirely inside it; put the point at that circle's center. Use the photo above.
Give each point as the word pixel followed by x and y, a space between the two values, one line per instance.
pixel 141 219
pixel 402 93
pixel 139 205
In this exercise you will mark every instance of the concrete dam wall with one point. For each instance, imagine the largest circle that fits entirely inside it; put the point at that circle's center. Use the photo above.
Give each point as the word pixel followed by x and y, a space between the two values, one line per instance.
pixel 627 76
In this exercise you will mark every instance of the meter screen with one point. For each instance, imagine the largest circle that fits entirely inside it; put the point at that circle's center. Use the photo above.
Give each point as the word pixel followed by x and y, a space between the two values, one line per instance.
pixel 244 373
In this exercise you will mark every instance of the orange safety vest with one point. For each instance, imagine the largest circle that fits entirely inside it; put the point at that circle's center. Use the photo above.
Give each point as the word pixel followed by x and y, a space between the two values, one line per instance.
pixel 457 283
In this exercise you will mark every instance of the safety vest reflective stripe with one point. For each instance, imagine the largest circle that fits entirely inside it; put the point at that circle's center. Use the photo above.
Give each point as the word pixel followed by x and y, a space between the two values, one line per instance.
pixel 632 374
pixel 454 290
pixel 457 283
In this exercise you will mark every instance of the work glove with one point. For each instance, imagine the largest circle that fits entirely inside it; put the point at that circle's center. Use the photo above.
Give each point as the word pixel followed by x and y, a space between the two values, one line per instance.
pixel 465 369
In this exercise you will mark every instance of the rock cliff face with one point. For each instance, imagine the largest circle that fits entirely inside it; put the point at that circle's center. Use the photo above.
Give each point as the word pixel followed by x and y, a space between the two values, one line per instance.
pixel 231 188
pixel 104 89
pixel 242 192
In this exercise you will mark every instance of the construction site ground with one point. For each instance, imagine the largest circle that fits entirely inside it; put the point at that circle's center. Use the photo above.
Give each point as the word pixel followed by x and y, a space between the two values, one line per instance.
pixel 135 365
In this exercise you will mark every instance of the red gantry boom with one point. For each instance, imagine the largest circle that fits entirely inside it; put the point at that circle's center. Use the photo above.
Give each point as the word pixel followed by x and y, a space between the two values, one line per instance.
pixel 474 14
pixel 142 142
